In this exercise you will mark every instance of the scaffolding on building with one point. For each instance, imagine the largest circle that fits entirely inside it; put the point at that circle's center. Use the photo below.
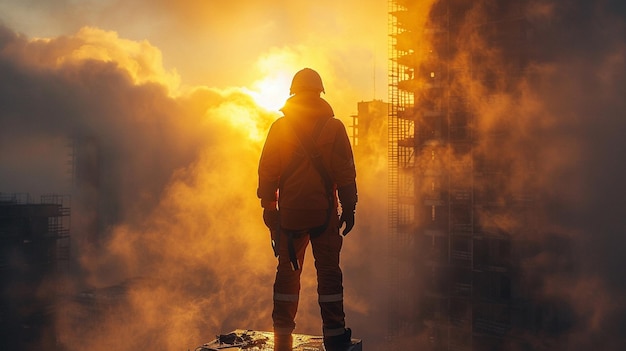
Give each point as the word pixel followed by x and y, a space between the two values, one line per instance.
pixel 449 274
pixel 367 118
pixel 34 254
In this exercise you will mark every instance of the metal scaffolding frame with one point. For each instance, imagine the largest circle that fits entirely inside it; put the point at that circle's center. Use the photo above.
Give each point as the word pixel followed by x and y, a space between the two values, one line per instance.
pixel 448 272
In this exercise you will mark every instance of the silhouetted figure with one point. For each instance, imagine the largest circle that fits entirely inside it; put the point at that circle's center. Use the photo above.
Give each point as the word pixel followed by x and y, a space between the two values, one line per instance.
pixel 306 164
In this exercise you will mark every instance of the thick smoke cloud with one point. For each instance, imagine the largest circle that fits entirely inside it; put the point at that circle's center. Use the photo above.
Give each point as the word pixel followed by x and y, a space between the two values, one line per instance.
pixel 169 200
pixel 168 244
pixel 563 116
pixel 543 84
pixel 581 85
pixel 585 90
pixel 217 43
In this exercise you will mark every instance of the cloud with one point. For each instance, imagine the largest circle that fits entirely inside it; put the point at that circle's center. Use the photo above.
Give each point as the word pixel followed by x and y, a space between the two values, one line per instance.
pixel 562 113
pixel 171 195
pixel 218 43
pixel 545 106
pixel 166 227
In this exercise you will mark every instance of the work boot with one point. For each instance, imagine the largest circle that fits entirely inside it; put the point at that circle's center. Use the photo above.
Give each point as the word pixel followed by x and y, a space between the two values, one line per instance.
pixel 338 342
pixel 283 342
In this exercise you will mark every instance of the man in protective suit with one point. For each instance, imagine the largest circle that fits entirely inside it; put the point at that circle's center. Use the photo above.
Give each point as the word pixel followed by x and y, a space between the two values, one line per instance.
pixel 305 167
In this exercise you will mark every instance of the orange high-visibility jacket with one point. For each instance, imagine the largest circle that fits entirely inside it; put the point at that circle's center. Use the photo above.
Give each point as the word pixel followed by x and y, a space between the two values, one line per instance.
pixel 303 201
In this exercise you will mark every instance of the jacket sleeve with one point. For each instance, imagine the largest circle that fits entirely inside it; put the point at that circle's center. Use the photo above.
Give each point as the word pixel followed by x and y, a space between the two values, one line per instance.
pixel 269 167
pixel 342 162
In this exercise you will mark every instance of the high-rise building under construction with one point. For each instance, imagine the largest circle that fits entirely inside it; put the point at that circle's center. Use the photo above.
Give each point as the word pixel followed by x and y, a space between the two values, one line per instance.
pixel 34 255
pixel 457 223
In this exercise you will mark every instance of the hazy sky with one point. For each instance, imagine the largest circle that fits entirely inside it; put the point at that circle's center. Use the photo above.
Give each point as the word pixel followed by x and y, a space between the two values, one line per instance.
pixel 234 43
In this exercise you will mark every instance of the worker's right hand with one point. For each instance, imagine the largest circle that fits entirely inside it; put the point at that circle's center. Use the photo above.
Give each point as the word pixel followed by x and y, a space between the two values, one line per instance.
pixel 347 217
pixel 348 198
pixel 271 218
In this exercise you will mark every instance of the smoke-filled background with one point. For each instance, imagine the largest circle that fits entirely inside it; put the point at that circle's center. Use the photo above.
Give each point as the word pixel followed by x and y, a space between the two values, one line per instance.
pixel 551 120
pixel 152 115
pixel 565 119
pixel 167 103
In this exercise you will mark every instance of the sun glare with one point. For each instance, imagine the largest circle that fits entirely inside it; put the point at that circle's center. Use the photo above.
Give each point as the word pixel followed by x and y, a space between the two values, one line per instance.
pixel 271 92
pixel 276 68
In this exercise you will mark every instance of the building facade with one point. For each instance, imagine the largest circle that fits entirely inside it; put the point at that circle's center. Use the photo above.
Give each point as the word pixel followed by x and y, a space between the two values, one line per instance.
pixel 458 225
pixel 34 254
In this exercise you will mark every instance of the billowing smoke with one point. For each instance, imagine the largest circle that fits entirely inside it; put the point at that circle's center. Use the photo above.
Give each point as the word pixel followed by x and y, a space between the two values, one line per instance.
pixel 548 111
pixel 163 192
pixel 581 84
pixel 168 245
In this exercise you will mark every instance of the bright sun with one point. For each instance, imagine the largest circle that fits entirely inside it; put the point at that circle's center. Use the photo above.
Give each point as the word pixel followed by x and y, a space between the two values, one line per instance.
pixel 272 91
pixel 276 68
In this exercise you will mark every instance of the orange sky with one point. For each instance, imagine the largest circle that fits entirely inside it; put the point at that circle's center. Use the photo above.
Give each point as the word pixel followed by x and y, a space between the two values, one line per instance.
pixel 234 43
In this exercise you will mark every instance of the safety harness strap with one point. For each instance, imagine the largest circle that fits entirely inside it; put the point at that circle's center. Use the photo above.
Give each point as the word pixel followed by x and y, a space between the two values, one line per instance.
pixel 295 159
pixel 308 145
pixel 313 154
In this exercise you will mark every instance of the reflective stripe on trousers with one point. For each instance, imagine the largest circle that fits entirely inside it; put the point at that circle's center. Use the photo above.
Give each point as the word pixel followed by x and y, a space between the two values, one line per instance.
pixel 326 248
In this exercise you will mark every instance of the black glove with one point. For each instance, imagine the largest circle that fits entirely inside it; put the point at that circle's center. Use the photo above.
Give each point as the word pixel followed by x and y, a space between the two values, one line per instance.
pixel 271 218
pixel 348 197
pixel 347 217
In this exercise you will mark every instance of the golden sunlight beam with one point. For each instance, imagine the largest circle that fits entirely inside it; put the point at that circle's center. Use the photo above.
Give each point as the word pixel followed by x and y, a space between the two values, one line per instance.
pixel 277 67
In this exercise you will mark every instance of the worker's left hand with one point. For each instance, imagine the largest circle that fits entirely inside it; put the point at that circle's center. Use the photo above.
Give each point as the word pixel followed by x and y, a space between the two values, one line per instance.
pixel 271 218
pixel 347 217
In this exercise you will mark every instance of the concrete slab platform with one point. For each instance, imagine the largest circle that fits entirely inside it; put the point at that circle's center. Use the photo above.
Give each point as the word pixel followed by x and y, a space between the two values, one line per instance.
pixel 252 340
